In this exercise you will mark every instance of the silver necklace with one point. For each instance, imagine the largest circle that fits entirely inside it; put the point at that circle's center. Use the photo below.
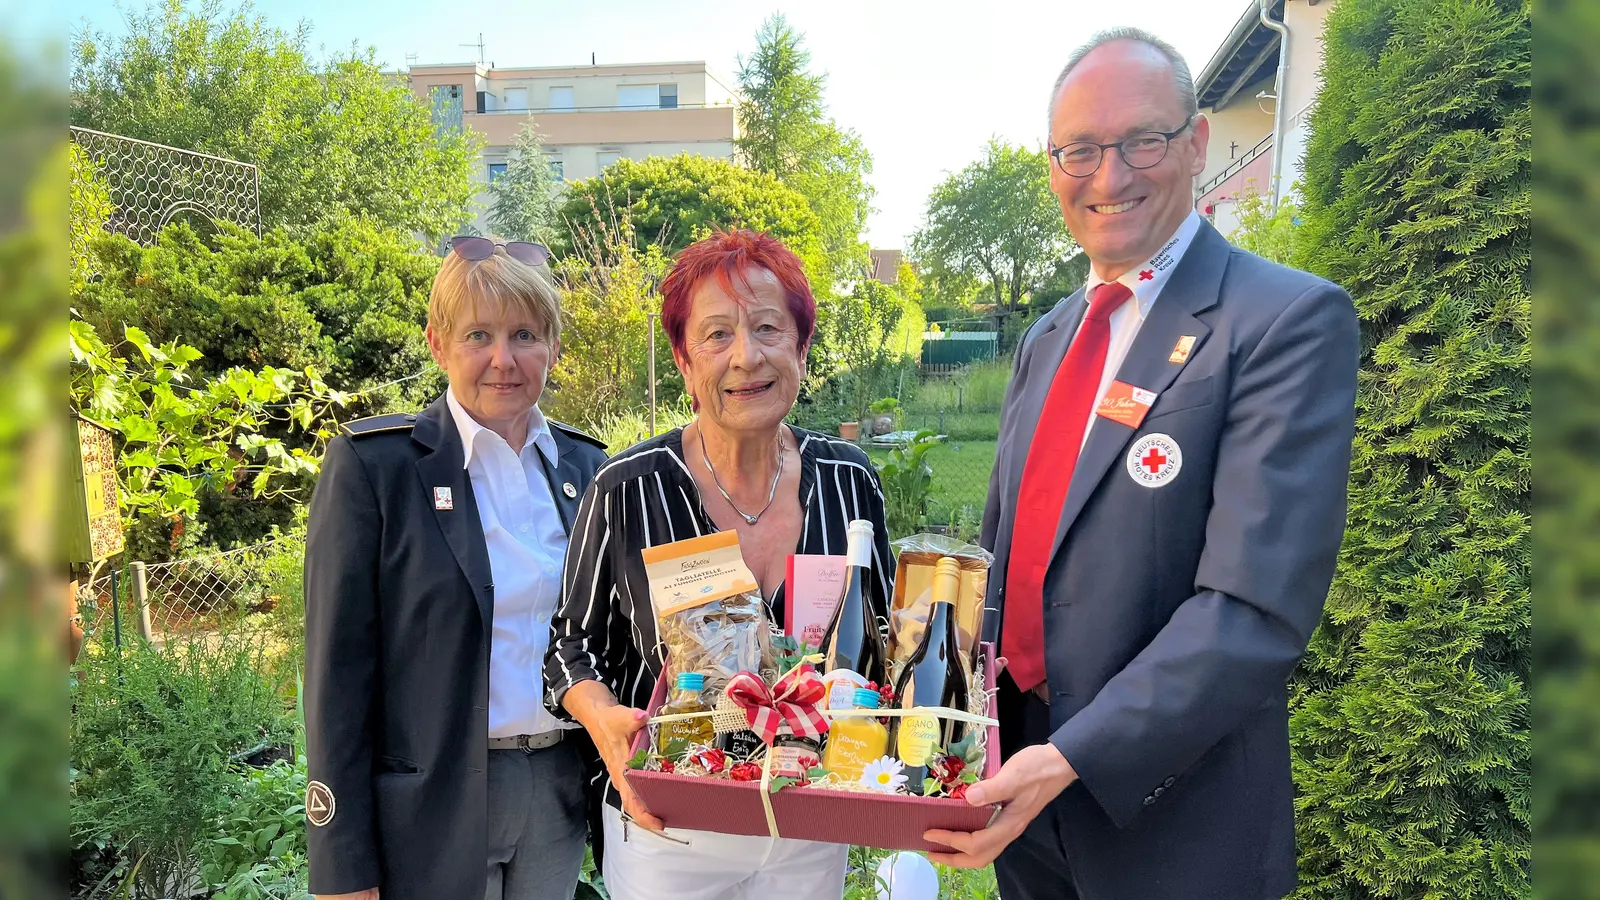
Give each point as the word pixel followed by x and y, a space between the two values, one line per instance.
pixel 771 493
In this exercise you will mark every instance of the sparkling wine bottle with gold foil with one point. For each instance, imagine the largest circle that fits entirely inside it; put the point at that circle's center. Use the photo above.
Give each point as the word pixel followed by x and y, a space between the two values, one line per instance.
pixel 933 676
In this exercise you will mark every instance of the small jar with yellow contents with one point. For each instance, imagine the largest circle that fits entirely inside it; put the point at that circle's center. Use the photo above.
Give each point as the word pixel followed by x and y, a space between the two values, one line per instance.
pixel 855 741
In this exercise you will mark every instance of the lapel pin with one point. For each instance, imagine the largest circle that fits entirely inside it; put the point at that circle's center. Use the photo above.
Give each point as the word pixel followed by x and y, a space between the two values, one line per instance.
pixel 1180 350
pixel 569 490
pixel 442 498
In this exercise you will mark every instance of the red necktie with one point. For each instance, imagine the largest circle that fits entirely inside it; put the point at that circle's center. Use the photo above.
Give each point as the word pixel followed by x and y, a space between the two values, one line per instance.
pixel 1045 477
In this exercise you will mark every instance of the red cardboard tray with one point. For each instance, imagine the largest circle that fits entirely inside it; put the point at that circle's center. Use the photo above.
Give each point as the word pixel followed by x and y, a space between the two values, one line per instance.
pixel 885 821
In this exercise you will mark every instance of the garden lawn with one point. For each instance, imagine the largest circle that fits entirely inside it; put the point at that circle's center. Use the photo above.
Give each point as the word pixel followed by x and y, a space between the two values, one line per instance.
pixel 960 475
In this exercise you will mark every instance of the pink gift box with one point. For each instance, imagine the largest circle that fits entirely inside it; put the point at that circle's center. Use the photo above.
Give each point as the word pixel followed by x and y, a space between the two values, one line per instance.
pixel 886 821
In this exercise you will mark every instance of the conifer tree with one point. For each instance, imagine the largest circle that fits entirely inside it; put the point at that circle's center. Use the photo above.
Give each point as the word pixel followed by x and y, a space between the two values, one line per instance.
pixel 1410 713
pixel 526 197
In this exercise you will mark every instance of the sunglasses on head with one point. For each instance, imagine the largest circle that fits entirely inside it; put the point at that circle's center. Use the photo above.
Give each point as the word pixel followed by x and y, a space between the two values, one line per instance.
pixel 473 248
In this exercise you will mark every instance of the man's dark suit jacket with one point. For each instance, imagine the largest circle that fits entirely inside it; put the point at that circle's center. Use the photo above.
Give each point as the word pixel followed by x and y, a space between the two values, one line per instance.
pixel 399 603
pixel 1174 614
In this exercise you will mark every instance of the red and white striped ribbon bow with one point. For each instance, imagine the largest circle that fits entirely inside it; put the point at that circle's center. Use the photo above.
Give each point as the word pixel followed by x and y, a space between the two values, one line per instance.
pixel 793 700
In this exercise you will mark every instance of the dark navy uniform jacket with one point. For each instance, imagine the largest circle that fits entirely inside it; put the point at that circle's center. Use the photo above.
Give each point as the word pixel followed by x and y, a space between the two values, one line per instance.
pixel 1176 606
pixel 399 602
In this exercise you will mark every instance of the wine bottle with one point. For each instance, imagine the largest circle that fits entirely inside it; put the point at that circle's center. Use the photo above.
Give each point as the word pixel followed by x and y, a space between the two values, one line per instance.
pixel 933 676
pixel 852 640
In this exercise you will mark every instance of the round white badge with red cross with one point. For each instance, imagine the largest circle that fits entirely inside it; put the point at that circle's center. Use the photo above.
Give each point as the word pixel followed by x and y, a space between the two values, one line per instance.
pixel 1154 460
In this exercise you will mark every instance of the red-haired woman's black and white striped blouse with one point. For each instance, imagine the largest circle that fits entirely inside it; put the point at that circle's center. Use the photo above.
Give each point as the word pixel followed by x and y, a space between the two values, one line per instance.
pixel 604 629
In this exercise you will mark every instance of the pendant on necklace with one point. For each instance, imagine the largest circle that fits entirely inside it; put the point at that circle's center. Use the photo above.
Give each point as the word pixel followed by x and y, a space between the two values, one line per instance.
pixel 748 518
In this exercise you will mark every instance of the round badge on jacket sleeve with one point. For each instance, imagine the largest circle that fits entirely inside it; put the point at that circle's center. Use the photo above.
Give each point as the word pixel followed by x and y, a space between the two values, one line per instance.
pixel 1154 460
pixel 569 490
pixel 319 804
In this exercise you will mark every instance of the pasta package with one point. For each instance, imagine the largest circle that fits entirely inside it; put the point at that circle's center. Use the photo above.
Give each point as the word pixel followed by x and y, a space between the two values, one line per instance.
pixel 913 588
pixel 708 610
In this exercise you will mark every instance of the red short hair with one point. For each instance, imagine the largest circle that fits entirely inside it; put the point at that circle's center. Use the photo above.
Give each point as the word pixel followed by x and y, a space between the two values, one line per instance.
pixel 722 255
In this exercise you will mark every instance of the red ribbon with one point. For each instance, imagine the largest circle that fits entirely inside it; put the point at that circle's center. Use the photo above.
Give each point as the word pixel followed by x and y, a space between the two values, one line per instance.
pixel 793 700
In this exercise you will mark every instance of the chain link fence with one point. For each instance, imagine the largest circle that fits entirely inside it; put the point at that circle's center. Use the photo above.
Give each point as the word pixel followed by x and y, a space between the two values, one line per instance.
pixel 240 589
pixel 960 404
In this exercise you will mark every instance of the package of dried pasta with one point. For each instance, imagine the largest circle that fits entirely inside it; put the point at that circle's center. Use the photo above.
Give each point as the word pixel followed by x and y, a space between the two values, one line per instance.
pixel 708 610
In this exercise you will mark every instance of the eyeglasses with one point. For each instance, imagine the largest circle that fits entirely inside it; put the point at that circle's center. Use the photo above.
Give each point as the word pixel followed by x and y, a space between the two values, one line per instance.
pixel 1080 159
pixel 472 248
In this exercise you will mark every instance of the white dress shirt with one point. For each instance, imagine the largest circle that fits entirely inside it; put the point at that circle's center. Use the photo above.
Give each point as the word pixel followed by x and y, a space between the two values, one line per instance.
pixel 1146 282
pixel 526 548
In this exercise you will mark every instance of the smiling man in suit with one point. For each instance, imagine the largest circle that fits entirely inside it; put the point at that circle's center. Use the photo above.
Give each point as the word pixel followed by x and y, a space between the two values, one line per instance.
pixel 1165 513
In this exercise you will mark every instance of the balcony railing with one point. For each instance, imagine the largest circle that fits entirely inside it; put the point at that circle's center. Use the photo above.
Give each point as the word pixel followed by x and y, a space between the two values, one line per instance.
pixel 1262 146
pixel 578 109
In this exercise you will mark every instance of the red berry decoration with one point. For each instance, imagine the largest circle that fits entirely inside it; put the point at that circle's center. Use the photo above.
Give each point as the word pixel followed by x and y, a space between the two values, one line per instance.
pixel 711 759
pixel 887 693
pixel 950 768
pixel 667 766
pixel 745 771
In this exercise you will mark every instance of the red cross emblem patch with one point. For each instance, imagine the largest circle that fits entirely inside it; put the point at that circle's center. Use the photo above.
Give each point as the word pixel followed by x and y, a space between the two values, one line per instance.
pixel 1154 460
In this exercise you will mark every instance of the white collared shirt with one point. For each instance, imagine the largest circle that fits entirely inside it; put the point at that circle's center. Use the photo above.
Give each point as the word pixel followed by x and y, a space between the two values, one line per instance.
pixel 527 546
pixel 1146 282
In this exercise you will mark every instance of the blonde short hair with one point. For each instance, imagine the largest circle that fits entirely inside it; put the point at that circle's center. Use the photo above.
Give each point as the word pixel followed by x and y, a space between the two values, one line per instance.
pixel 463 287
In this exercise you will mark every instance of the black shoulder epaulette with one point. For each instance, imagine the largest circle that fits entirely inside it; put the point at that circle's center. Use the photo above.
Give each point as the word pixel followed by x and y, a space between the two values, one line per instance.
pixel 379 424
pixel 580 435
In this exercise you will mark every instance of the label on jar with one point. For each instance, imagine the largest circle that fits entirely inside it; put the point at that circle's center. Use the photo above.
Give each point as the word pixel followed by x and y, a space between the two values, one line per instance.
pixel 916 739
pixel 841 685
pixel 793 761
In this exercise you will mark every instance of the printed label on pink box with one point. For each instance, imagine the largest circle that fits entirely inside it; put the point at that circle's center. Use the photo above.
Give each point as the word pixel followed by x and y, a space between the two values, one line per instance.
pixel 815 582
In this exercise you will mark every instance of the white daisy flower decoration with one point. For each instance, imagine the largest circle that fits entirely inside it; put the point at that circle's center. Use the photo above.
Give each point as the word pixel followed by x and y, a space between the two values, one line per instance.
pixel 884 775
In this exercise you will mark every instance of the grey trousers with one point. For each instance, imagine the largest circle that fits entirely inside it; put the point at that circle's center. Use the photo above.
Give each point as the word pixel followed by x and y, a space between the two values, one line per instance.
pixel 536 823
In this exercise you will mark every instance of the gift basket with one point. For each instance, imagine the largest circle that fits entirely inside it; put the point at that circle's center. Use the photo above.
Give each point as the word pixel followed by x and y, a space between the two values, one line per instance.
pixel 850 740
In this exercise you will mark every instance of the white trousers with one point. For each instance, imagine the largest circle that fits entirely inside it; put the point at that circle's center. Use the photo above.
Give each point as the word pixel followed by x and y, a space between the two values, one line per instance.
pixel 703 865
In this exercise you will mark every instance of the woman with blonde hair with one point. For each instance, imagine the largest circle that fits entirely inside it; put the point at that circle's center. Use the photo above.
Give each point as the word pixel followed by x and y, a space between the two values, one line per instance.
pixel 433 566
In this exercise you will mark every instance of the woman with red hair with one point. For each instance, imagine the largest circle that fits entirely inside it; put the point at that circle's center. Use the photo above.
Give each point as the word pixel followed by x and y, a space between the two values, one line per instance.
pixel 740 317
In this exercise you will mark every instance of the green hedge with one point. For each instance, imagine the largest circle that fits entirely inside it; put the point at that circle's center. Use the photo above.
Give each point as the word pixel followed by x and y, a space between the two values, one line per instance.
pixel 1410 714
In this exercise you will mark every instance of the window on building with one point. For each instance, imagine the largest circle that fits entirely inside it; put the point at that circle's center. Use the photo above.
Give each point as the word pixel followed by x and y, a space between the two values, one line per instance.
pixel 516 98
pixel 558 170
pixel 561 98
pixel 669 96
pixel 606 157
pixel 495 171
pixel 639 96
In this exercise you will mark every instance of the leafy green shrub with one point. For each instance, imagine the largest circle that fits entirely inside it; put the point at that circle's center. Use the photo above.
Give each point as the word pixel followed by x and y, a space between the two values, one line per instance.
pixel 349 298
pixel 1265 230
pixel 622 430
pixel 907 485
pixel 258 849
pixel 153 738
pixel 609 290
pixel 673 201
pixel 1410 713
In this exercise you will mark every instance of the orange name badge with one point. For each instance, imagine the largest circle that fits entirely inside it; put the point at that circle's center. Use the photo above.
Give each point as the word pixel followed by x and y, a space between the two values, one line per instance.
pixel 1125 403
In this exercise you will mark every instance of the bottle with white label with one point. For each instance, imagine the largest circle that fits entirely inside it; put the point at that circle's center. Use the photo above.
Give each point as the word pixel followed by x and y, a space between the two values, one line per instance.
pixel 852 641
pixel 932 677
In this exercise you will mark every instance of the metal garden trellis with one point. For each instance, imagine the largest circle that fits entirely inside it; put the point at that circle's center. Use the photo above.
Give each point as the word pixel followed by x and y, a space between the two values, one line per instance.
pixel 151 185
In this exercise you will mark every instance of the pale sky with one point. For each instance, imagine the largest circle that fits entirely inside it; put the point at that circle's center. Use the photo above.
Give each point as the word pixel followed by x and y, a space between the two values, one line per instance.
pixel 925 84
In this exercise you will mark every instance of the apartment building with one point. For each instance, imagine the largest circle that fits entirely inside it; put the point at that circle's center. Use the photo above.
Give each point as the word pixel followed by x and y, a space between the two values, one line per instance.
pixel 1257 91
pixel 590 116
